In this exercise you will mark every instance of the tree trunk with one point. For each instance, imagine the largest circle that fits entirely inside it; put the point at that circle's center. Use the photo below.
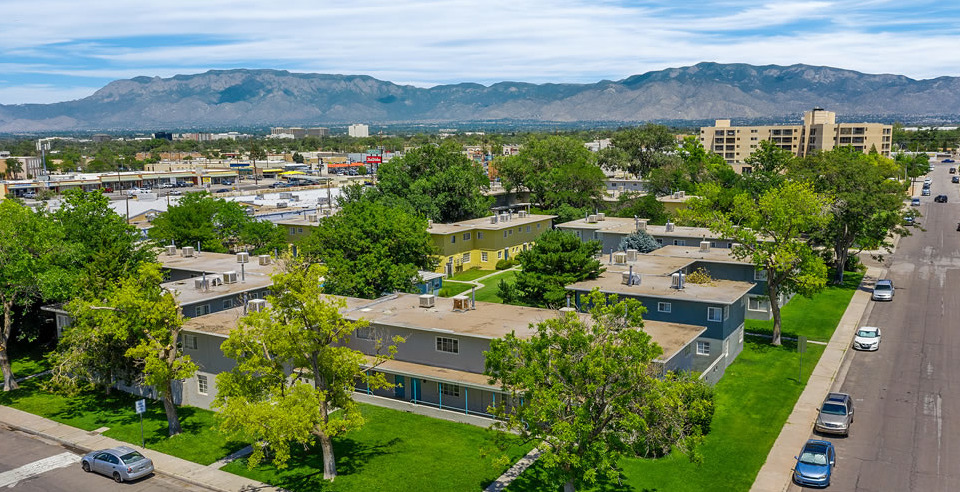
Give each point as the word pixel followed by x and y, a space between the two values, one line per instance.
pixel 329 461
pixel 842 253
pixel 173 423
pixel 775 308
pixel 9 382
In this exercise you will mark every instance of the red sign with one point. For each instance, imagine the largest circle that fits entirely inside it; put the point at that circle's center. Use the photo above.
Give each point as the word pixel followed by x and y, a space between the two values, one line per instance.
pixel 374 159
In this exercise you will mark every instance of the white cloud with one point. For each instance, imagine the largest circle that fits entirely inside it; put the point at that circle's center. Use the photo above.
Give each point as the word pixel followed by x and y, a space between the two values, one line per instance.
pixel 32 93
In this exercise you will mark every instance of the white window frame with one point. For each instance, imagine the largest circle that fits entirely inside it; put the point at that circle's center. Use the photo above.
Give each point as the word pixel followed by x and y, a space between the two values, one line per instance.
pixel 484 257
pixel 465 257
pixel 447 345
pixel 757 303
pixel 528 228
pixel 659 241
pixel 479 235
pixel 364 333
pixel 202 309
pixel 664 307
pixel 759 275
pixel 227 303
pixel 679 242
pixel 499 255
pixel 714 314
pixel 703 347
pixel 190 342
pixel 466 236
pixel 450 389
pixel 726 312
pixel 203 384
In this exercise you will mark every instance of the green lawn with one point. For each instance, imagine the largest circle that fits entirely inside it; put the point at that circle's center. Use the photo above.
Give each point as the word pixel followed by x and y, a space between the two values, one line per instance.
pixel 471 274
pixel 27 359
pixel 452 288
pixel 489 292
pixel 815 318
pixel 394 451
pixel 200 442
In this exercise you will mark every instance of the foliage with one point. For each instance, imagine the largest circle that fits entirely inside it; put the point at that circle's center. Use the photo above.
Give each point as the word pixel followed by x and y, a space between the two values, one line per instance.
pixel 640 241
pixel 371 248
pixel 14 168
pixel 557 171
pixel 439 182
pixel 587 393
pixel 641 149
pixel 37 264
pixel 865 204
pixel 558 259
pixel 644 206
pixel 691 166
pixel 770 231
pixel 506 263
pixel 699 276
pixel 298 158
pixel 305 331
pixel 914 165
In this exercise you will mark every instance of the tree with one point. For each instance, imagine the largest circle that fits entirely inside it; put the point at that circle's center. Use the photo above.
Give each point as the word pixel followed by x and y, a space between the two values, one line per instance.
pixel 770 230
pixel 588 393
pixel 37 264
pixel 256 154
pixel 640 150
pixel 371 247
pixel 439 182
pixel 14 167
pixel 298 158
pixel 767 165
pixel 644 206
pixel 865 204
pixel 293 369
pixel 640 241
pixel 557 259
pixel 557 171
pixel 687 168
pixel 144 317
pixel 216 224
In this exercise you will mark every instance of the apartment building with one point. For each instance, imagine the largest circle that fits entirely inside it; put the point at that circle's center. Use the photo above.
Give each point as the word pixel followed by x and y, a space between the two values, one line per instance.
pixel 818 132
pixel 611 230
pixel 300 132
pixel 485 241
pixel 358 130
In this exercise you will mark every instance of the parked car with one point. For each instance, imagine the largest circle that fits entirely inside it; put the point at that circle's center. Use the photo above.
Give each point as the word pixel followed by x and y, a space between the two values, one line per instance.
pixel 815 464
pixel 953 170
pixel 226 182
pixel 279 184
pixel 955 179
pixel 867 338
pixel 940 199
pixel 947 161
pixel 927 181
pixel 122 463
pixel 166 185
pixel 915 202
pixel 175 192
pixel 883 290
pixel 925 192
pixel 30 194
pixel 835 415
pixel 223 190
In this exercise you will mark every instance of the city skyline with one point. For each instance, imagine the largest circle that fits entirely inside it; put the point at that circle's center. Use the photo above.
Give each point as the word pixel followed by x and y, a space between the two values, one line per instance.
pixel 57 50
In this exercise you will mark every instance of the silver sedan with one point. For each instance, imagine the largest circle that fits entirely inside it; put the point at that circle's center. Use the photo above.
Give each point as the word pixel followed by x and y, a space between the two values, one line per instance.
pixel 121 463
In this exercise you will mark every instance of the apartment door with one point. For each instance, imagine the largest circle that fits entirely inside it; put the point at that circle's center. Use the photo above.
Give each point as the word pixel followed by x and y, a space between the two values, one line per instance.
pixel 399 390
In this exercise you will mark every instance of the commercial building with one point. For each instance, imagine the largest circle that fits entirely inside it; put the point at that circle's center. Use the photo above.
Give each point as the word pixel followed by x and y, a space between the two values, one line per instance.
pixel 818 132
pixel 358 130
pixel 483 242
pixel 299 132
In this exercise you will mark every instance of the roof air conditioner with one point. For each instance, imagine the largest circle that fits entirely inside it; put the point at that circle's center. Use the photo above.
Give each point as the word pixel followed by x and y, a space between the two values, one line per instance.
pixel 601 216
pixel 704 246
pixel 591 219
pixel 641 225
pixel 187 251
pixel 620 258
pixel 311 217
pixel 230 277
pixel 632 255
pixel 681 194
pixel 171 250
pixel 628 278
pixel 668 227
pixel 281 204
pixel 676 281
pixel 494 218
pixel 215 281
pixel 256 305
pixel 243 257
pixel 428 300
pixel 264 260
pixel 201 283
pixel 429 223
pixel 461 303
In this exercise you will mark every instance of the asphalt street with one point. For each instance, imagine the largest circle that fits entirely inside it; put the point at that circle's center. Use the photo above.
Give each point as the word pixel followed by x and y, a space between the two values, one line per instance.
pixel 906 432
pixel 29 463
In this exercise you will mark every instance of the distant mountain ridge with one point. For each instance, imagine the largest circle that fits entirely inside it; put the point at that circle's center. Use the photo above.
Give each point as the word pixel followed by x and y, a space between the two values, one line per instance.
pixel 242 97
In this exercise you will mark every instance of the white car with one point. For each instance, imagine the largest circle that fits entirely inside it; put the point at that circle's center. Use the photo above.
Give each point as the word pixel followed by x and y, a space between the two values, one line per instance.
pixel 868 338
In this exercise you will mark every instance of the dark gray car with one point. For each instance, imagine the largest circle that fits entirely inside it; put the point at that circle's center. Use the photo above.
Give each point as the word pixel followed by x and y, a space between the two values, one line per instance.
pixel 836 414
pixel 121 463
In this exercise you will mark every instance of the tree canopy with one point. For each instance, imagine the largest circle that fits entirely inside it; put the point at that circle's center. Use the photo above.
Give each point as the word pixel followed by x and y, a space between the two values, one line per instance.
pixel 217 225
pixel 640 241
pixel 557 171
pixel 587 393
pixel 640 149
pixel 557 259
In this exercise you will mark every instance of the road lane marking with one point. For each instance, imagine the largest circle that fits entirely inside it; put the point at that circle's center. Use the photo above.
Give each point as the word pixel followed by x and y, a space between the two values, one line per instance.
pixel 13 477
pixel 939 430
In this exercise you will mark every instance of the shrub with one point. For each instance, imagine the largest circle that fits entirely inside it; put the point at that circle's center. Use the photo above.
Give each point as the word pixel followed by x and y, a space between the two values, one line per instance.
pixel 700 276
pixel 504 264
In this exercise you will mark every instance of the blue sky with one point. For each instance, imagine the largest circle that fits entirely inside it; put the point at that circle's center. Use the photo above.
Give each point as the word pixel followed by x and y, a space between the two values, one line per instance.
pixel 57 50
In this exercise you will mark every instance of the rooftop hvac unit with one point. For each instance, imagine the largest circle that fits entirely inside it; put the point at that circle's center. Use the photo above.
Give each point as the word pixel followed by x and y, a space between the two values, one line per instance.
pixel 281 204
pixel 601 216
pixel 256 305
pixel 734 245
pixel 565 310
pixel 171 250
pixel 591 219
pixel 264 260
pixel 675 195
pixel 504 217
pixel 243 257
pixel 681 194
pixel 628 278
pixel 494 218
pixel 461 303
pixel 428 300
pixel 429 223
pixel 286 195
pixel 230 277
pixel 187 251
pixel 311 217
pixel 632 255
pixel 669 227
pixel 215 281
pixel 620 258
pixel 641 225
pixel 704 246
pixel 676 281
pixel 522 214
pixel 201 283
pixel 327 211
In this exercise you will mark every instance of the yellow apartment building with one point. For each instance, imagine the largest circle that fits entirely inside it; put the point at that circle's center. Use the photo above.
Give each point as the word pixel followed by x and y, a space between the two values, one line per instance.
pixel 485 241
pixel 819 132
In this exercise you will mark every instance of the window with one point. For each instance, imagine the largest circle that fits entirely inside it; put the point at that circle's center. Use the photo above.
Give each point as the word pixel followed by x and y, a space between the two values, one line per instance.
pixel 538 227
pixel 528 228
pixel 703 348
pixel 449 345
pixel 365 333
pixel 190 342
pixel 293 230
pixel 660 241
pixel 714 314
pixel 479 235
pixel 466 236
pixel 510 232
pixel 483 256
pixel 453 239
pixel 679 242
pixel 203 309
pixel 759 275
pixel 726 312
pixel 499 255
pixel 299 230
pixel 227 303
pixel 504 233
pixel 465 258
pixel 740 335
pixel 449 389
pixel 664 307
pixel 202 384
pixel 596 234
pixel 758 303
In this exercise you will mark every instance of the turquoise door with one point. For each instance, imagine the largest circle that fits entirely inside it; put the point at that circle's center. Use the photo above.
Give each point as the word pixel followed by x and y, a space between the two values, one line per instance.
pixel 399 390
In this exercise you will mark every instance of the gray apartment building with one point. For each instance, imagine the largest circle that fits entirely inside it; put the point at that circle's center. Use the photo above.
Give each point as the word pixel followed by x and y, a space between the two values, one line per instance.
pixel 611 230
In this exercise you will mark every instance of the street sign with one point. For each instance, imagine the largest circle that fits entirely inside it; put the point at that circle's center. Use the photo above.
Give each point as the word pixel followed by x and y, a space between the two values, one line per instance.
pixel 141 406
pixel 374 159
pixel 141 409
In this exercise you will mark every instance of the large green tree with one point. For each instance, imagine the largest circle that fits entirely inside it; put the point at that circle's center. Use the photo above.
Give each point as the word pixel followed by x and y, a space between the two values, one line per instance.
pixel 371 247
pixel 640 149
pixel 218 225
pixel 14 168
pixel 557 259
pixel 557 171
pixel 865 204
pixel 689 166
pixel 439 182
pixel 293 369
pixel 588 393
pixel 36 264
pixel 770 231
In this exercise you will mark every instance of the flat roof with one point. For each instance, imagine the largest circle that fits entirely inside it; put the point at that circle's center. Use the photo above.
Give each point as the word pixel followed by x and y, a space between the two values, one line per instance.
pixel 693 253
pixel 626 225
pixel 221 322
pixel 186 292
pixel 413 369
pixel 671 337
pixel 650 263
pixel 717 291
pixel 483 223
pixel 214 263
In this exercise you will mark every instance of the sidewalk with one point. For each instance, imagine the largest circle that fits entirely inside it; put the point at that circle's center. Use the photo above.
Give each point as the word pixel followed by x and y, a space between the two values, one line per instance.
pixel 84 442
pixel 775 475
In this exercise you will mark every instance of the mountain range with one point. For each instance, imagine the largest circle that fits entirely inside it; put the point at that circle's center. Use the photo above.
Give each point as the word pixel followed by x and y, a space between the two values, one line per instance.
pixel 705 91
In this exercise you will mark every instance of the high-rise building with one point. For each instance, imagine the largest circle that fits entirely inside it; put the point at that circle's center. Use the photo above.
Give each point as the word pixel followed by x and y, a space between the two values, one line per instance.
pixel 358 130
pixel 299 132
pixel 819 132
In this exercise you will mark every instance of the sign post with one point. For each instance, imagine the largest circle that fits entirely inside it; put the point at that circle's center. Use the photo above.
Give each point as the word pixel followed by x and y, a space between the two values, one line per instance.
pixel 141 406
pixel 801 347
